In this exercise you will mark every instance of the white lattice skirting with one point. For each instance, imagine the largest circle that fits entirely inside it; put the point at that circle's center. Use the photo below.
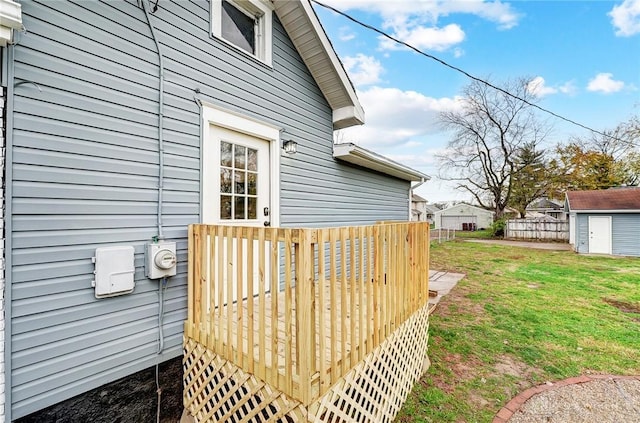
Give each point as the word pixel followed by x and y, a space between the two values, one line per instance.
pixel 373 391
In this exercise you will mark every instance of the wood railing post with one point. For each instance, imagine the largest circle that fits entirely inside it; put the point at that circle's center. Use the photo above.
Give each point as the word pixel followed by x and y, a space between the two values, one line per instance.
pixel 197 281
pixel 305 324
pixel 190 282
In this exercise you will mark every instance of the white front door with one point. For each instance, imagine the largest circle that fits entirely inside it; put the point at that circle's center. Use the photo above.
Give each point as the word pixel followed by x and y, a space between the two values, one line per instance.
pixel 236 191
pixel 600 234
pixel 236 179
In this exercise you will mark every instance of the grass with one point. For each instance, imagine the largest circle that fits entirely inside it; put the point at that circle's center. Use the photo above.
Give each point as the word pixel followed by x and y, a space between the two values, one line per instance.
pixel 519 318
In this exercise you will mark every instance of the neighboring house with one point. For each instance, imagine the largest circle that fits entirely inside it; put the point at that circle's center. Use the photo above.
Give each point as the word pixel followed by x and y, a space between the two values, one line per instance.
pixel 418 208
pixel 546 207
pixel 463 216
pixel 430 210
pixel 421 211
pixel 605 221
pixel 126 124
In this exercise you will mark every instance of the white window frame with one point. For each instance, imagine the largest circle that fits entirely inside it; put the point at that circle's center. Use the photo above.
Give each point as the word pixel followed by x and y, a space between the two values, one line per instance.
pixel 217 116
pixel 264 32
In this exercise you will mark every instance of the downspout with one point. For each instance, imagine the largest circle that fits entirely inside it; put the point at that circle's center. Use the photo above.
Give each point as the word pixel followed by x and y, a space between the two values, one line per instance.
pixel 160 120
pixel 196 98
pixel 422 181
pixel 8 261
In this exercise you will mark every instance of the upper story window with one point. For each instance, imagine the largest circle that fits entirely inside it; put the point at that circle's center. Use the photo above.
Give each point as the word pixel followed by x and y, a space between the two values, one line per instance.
pixel 245 24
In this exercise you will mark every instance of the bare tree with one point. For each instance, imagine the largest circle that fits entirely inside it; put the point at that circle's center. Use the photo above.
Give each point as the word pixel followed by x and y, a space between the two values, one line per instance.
pixel 489 129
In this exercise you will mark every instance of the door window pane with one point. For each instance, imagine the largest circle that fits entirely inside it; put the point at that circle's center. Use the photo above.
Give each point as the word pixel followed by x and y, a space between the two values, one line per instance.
pixel 240 157
pixel 252 207
pixel 252 183
pixel 239 208
pixel 225 154
pixel 225 207
pixel 238 182
pixel 252 159
pixel 225 180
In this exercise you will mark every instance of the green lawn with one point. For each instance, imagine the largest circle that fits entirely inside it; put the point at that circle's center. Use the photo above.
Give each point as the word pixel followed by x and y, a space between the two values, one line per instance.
pixel 520 318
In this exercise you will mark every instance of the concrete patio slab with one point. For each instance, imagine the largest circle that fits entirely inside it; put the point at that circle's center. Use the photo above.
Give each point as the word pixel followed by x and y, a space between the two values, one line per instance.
pixel 443 282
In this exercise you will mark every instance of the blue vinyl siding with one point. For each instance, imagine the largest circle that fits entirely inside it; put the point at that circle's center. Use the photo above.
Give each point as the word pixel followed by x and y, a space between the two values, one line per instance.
pixel 84 175
pixel 625 233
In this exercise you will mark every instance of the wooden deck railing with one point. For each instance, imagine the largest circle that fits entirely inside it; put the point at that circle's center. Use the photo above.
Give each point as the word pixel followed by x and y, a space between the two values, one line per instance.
pixel 299 308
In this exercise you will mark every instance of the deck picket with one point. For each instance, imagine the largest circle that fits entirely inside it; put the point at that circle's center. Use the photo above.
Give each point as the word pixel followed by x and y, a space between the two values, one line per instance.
pixel 228 285
pixel 344 323
pixel 211 287
pixel 274 291
pixel 288 304
pixel 322 341
pixel 220 288
pixel 353 284
pixel 250 296
pixel 262 336
pixel 239 297
pixel 333 284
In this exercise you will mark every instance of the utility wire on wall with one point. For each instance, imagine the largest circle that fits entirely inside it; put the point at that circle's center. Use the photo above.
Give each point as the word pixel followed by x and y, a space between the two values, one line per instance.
pixel 467 74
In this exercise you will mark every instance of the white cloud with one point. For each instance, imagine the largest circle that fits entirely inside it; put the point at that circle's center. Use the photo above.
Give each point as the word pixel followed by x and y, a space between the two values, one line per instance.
pixel 397 118
pixel 345 34
pixel 626 18
pixel 363 70
pixel 427 158
pixel 430 38
pixel 538 88
pixel 430 10
pixel 568 87
pixel 604 83
pixel 458 52
pixel 416 22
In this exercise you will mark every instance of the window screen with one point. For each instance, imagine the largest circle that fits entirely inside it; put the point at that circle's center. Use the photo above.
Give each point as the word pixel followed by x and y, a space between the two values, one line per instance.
pixel 238 28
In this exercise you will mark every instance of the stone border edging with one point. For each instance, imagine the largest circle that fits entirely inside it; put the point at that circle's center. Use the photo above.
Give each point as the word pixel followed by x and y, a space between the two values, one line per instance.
pixel 516 402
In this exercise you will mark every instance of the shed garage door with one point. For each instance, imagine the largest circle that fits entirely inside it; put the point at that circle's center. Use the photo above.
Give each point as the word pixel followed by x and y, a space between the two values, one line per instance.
pixel 457 222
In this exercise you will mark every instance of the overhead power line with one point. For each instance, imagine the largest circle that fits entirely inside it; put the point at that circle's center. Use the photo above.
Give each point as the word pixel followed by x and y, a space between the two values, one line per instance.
pixel 467 74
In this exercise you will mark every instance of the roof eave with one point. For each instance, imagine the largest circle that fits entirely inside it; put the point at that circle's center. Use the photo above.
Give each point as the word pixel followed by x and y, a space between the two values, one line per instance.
pixel 604 211
pixel 306 32
pixel 368 159
pixel 345 117
pixel 10 19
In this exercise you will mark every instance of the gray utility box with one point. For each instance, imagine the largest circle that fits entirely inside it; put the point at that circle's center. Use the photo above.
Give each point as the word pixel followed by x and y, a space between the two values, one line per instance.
pixel 160 260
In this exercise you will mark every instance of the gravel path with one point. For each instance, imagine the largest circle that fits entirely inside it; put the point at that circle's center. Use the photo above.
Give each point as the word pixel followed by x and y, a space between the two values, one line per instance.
pixel 598 399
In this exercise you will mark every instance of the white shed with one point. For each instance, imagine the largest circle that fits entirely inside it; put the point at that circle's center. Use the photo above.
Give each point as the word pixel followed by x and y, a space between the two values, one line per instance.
pixel 463 216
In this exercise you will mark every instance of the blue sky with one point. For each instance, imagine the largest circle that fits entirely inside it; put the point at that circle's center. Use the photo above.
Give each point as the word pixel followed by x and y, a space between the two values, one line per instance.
pixel 582 56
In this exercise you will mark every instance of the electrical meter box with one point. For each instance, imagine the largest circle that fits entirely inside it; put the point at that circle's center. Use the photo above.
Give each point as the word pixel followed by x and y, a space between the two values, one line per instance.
pixel 160 260
pixel 114 271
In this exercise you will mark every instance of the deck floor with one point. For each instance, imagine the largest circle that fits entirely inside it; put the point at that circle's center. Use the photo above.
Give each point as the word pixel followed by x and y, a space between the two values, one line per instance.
pixel 286 340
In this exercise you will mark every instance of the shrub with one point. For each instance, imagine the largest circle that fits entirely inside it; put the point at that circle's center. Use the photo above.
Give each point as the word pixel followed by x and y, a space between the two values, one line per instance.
pixel 497 228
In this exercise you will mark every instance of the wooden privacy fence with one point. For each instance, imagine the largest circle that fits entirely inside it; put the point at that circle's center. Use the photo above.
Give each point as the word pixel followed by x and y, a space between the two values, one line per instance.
pixel 556 230
pixel 299 308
